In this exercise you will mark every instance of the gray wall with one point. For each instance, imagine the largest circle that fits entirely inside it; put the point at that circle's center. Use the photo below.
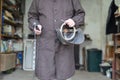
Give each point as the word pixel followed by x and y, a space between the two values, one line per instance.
pixel 26 30
pixel 96 15
pixel 93 21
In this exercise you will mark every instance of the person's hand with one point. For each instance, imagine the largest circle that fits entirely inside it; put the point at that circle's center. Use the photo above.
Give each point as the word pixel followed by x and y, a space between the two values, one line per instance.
pixel 38 31
pixel 70 22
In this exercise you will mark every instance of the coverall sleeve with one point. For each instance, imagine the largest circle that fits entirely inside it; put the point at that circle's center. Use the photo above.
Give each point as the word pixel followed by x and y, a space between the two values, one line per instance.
pixel 79 13
pixel 33 15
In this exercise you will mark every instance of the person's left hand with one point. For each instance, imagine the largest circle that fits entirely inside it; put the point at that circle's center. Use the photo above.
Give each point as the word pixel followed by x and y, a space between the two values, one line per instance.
pixel 70 22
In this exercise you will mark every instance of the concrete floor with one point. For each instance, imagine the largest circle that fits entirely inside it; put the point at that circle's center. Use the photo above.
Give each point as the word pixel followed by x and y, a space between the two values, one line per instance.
pixel 28 75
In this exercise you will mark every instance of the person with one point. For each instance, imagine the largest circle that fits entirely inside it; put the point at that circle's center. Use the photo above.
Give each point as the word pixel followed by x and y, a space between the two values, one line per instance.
pixel 54 61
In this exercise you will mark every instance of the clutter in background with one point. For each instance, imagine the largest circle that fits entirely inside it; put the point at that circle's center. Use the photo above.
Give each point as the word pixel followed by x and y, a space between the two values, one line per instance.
pixel 106 69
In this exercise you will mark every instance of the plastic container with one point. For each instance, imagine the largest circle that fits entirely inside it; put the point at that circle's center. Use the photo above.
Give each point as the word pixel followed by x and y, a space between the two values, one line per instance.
pixel 104 69
pixel 20 57
pixel 94 58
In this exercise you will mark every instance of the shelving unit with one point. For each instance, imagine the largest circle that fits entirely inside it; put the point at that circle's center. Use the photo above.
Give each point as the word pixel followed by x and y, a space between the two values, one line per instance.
pixel 0 19
pixel 11 21
pixel 116 56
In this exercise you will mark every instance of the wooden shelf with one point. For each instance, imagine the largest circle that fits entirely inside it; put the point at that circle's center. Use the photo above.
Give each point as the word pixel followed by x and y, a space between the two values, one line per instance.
pixel 7 52
pixel 117 34
pixel 12 16
pixel 10 22
pixel 15 13
pixel 13 23
pixel 116 57
pixel 10 37
pixel 118 72
pixel 10 52
pixel 8 2
pixel 5 7
pixel 117 52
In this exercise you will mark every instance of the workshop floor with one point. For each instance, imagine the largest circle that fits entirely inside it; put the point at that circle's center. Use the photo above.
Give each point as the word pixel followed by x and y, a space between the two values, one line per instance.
pixel 28 75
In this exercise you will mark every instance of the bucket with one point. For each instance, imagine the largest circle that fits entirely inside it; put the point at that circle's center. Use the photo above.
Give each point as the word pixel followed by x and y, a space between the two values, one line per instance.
pixel 104 69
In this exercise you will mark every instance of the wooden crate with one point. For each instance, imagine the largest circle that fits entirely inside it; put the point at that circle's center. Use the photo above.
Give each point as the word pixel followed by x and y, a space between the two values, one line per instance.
pixel 7 61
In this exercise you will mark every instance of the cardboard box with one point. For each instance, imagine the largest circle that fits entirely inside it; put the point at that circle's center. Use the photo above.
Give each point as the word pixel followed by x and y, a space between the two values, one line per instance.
pixel 7 61
pixel 8 29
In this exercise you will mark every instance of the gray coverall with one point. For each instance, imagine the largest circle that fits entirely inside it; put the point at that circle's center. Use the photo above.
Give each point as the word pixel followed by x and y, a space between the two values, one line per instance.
pixel 54 60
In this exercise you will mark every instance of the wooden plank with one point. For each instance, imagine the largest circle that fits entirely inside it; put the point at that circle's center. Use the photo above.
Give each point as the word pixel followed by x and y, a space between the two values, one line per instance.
pixel 0 20
pixel 0 16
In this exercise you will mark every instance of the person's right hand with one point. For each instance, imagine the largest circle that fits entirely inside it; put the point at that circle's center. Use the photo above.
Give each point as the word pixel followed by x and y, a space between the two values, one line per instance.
pixel 38 31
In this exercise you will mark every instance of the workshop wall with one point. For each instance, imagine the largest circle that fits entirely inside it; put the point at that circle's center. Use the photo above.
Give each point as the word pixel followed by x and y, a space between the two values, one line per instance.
pixel 26 29
pixel 95 19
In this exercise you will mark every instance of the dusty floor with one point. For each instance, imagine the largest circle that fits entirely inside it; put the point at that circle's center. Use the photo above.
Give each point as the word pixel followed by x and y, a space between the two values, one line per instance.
pixel 28 75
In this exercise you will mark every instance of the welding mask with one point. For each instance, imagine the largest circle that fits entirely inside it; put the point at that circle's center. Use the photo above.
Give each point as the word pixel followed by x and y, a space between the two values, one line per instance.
pixel 70 35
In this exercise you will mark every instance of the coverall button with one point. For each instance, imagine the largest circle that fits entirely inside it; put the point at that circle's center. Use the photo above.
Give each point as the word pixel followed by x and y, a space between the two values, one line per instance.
pixel 55 20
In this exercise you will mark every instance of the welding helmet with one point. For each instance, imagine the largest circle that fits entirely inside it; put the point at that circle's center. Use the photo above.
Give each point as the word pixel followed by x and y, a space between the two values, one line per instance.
pixel 70 35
